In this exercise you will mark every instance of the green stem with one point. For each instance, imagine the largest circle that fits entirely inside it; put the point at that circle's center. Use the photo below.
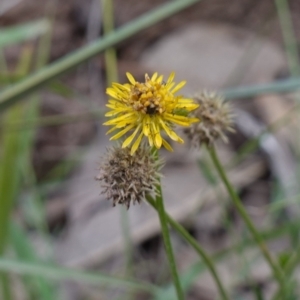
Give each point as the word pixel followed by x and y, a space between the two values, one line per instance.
pixel 277 272
pixel 190 240
pixel 288 34
pixel 167 242
pixel 110 54
pixel 128 247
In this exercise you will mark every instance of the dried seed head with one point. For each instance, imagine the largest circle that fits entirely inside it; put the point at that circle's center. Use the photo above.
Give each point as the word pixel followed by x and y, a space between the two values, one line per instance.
pixel 129 178
pixel 215 118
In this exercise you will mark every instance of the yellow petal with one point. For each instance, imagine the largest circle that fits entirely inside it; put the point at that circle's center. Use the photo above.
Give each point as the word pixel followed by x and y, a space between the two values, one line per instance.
pixel 178 87
pixel 179 117
pixel 111 92
pixel 153 128
pixel 119 119
pixel 136 144
pixel 146 122
pixel 167 145
pixel 130 78
pixel 181 123
pixel 154 76
pixel 194 120
pixel 150 139
pixel 159 79
pixel 169 131
pixel 113 101
pixel 171 77
pixel 170 85
pixel 180 140
pixel 126 122
pixel 122 132
pixel 130 138
pixel 111 130
pixel 111 113
pixel 158 140
pixel 188 106
pixel 174 119
pixel 154 132
pixel 187 100
pixel 112 106
pixel 122 87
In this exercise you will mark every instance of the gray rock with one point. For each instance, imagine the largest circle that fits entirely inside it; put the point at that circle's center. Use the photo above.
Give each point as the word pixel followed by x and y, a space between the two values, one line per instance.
pixel 213 56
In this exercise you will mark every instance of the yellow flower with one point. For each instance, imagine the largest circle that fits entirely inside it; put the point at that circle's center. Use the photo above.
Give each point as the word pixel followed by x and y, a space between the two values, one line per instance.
pixel 147 108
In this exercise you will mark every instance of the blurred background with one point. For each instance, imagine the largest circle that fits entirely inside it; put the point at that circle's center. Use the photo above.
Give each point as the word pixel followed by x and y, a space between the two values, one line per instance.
pixel 59 237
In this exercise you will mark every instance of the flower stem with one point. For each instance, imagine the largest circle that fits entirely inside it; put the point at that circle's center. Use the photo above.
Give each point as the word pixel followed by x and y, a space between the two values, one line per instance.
pixel 167 242
pixel 277 272
pixel 190 240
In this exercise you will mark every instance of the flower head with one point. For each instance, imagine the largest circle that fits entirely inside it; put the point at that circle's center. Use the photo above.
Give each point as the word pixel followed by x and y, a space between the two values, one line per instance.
pixel 129 178
pixel 216 118
pixel 144 109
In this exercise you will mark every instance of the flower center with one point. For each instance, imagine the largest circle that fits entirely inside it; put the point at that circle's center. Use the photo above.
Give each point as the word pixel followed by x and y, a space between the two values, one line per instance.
pixel 148 97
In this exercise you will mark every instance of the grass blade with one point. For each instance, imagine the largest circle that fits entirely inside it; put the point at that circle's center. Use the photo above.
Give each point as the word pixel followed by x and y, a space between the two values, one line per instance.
pixel 24 32
pixel 31 83
pixel 41 289
pixel 281 86
pixel 9 181
pixel 59 273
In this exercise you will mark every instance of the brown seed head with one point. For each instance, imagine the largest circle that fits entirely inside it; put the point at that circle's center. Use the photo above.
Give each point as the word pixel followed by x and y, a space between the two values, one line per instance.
pixel 215 118
pixel 128 178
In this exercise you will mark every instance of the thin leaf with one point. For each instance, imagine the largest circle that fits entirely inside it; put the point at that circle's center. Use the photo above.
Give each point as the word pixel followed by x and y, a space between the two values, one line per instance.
pixel 24 32
pixel 33 82
pixel 41 289
pixel 9 183
pixel 59 273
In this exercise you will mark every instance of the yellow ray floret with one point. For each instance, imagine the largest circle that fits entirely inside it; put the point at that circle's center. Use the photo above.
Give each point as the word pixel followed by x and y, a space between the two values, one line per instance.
pixel 146 109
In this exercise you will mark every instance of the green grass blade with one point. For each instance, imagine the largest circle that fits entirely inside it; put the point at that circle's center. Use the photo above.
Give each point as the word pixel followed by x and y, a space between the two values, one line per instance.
pixel 288 34
pixel 110 54
pixel 31 111
pixel 41 289
pixel 281 86
pixel 186 279
pixel 9 180
pixel 36 80
pixel 9 175
pixel 23 32
pixel 54 120
pixel 57 273
pixel 17 147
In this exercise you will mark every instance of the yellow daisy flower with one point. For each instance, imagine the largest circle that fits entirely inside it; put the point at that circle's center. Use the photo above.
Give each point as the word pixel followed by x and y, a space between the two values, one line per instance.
pixel 147 108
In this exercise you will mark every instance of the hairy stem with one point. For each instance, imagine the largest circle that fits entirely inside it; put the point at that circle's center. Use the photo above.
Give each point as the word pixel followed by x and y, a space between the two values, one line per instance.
pixel 167 241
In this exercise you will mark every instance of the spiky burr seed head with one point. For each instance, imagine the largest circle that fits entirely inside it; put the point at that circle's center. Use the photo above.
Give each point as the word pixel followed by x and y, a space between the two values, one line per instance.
pixel 127 178
pixel 215 119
